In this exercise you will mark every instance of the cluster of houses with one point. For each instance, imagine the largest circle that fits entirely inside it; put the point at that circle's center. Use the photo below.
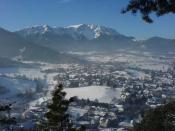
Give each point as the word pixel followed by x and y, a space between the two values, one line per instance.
pixel 138 93
pixel 156 86
pixel 151 89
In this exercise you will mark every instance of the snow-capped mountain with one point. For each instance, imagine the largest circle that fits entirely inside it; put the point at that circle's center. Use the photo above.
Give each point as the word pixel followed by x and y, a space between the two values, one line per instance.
pixel 76 37
pixel 91 31
pixel 88 31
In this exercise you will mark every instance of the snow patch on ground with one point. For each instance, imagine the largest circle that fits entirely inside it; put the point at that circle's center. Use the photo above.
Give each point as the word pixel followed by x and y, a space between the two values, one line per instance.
pixel 102 93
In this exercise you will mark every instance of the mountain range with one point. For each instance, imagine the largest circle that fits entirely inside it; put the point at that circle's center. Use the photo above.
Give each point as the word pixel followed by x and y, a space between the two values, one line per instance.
pixel 83 37
pixel 44 43
pixel 90 37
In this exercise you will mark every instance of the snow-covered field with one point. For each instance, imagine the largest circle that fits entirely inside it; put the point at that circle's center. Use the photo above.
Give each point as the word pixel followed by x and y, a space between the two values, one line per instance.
pixel 102 93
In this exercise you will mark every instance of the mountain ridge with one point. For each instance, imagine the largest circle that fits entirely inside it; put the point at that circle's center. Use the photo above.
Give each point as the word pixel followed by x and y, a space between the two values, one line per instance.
pixel 76 37
pixel 81 29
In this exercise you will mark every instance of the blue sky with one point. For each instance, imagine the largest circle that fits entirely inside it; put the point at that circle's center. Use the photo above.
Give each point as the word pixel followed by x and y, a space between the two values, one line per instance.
pixel 17 14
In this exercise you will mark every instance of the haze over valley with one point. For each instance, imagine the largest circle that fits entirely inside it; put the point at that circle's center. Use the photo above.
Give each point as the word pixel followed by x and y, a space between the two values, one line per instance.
pixel 110 74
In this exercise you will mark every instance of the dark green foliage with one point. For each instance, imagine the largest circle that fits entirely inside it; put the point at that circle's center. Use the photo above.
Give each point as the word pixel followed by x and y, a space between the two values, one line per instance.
pixel 5 115
pixel 146 7
pixel 8 121
pixel 57 118
pixel 82 128
pixel 161 118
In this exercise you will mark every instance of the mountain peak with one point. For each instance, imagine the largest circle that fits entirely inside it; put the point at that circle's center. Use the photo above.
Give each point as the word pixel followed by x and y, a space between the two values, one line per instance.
pixel 37 29
pixel 46 28
pixel 92 31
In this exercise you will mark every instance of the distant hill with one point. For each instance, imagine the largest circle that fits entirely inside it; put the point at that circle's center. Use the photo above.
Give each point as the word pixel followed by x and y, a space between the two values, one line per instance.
pixel 158 44
pixel 13 45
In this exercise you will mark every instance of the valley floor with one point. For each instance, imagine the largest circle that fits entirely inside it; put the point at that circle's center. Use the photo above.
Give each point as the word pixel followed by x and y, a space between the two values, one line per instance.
pixel 108 89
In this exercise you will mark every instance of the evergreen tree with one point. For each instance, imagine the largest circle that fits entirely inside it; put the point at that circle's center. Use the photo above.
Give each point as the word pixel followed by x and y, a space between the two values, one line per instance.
pixel 161 118
pixel 57 117
pixel 5 115
pixel 146 7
